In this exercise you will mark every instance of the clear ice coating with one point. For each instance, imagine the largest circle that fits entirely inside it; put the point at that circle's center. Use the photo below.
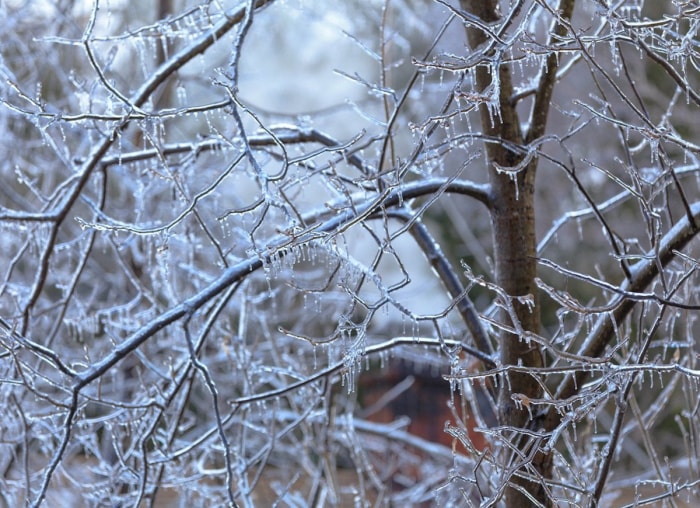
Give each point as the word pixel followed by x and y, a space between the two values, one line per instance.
pixel 258 253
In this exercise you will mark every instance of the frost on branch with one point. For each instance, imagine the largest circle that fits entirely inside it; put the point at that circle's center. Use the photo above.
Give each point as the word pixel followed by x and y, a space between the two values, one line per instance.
pixel 254 253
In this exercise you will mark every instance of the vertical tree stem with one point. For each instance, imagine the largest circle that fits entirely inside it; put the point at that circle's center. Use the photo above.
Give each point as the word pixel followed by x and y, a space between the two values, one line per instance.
pixel 513 230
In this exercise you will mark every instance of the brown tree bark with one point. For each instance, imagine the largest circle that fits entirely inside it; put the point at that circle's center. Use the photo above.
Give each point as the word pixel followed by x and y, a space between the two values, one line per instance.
pixel 514 244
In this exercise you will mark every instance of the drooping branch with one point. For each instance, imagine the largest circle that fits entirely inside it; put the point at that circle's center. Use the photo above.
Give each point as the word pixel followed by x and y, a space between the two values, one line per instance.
pixel 337 221
pixel 237 273
pixel 450 280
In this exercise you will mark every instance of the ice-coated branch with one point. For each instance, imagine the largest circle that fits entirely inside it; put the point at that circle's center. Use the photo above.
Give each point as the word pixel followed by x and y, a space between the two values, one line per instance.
pixel 71 194
pixel 455 288
pixel 338 221
pixel 548 73
pixel 642 274
pixel 342 365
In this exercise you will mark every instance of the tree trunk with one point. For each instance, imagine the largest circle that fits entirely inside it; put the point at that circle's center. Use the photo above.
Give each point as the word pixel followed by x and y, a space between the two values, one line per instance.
pixel 514 242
